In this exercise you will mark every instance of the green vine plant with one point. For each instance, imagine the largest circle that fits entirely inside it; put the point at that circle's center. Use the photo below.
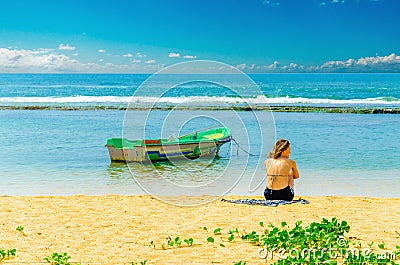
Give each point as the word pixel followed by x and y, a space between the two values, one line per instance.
pixel 317 243
pixel 174 242
pixel 21 230
pixel 143 262
pixel 7 254
pixel 58 259
pixel 322 242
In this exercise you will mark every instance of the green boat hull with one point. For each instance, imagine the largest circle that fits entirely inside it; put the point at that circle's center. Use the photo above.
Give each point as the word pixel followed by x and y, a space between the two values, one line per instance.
pixel 194 145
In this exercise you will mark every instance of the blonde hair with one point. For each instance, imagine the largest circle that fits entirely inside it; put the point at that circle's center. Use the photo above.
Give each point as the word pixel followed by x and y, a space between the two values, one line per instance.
pixel 280 146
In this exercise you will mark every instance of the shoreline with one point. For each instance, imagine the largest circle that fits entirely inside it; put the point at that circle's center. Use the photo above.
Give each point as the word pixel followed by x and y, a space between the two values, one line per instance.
pixel 115 229
pixel 273 108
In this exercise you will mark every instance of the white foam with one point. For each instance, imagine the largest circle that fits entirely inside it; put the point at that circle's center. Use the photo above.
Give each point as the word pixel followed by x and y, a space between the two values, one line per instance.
pixel 73 99
pixel 199 100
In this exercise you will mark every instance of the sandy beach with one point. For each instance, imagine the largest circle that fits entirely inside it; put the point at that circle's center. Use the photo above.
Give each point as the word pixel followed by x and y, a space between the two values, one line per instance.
pixel 118 229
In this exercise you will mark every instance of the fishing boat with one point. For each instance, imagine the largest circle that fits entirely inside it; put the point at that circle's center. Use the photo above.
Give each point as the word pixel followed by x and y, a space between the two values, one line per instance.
pixel 206 142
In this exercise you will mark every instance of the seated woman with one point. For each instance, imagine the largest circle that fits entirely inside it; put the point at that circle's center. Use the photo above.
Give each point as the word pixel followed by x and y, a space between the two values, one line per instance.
pixel 281 172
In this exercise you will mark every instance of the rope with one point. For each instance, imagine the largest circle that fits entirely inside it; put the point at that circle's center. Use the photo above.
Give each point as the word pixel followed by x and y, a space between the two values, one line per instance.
pixel 241 148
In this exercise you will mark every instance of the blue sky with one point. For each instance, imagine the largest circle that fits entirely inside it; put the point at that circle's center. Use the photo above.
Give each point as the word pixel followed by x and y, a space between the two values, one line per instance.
pixel 255 36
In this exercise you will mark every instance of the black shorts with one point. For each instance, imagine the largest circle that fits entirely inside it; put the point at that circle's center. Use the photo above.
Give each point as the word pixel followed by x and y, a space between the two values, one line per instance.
pixel 286 194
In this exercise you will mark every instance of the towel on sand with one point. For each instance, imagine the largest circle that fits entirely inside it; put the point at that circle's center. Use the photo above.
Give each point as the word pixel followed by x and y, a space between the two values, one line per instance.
pixel 272 203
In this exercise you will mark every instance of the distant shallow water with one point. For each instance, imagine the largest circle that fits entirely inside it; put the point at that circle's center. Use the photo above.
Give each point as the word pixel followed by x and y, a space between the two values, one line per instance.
pixel 62 153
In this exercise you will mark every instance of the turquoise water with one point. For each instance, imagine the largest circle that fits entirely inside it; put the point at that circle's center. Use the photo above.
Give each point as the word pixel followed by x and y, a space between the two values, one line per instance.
pixel 63 153
pixel 117 89
pixel 54 152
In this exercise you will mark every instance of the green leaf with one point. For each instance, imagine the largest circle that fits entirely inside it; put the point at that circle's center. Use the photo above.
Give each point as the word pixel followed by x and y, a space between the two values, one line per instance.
pixel 233 231
pixel 58 259
pixel 231 237
pixel 217 231
pixel 189 241
pixel 261 224
pixel 221 245
pixel 205 228
pixel 210 239
pixel 381 246
pixel 283 224
pixel 12 252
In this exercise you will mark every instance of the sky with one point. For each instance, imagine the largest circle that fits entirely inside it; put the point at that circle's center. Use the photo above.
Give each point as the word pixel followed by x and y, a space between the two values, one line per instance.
pixel 256 36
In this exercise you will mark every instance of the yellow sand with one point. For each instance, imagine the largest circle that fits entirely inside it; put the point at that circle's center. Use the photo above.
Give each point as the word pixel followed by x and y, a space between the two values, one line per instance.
pixel 118 229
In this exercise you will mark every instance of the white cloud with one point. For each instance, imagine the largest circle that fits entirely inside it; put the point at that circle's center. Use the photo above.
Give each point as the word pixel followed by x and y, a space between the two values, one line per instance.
pixel 332 2
pixel 391 59
pixel 269 68
pixel 189 57
pixel 40 51
pixel 274 66
pixel 174 55
pixel 75 54
pixel 293 67
pixel 129 55
pixel 140 55
pixel 389 63
pixel 43 60
pixel 270 3
pixel 39 60
pixel 241 66
pixel 46 61
pixel 66 47
pixel 101 51
pixel 153 67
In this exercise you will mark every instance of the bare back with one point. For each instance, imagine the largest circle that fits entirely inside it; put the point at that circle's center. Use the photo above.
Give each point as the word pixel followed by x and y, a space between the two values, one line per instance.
pixel 280 172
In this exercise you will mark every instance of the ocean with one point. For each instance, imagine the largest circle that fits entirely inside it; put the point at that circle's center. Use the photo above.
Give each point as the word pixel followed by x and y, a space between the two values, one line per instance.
pixel 54 128
pixel 117 89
